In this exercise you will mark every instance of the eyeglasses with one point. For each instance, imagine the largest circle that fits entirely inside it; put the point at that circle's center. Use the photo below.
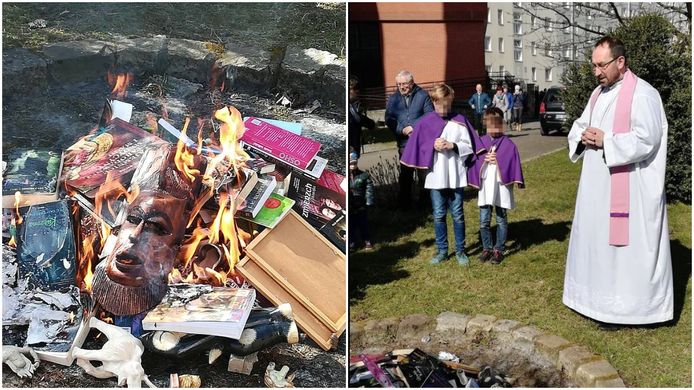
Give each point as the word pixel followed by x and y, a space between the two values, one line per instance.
pixel 405 83
pixel 604 66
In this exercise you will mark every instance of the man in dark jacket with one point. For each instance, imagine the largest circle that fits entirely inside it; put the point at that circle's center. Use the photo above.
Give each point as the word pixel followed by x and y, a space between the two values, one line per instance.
pixel 357 118
pixel 404 108
pixel 479 101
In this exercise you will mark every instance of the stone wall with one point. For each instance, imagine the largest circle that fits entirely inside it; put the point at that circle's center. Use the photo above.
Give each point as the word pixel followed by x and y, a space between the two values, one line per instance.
pixel 530 356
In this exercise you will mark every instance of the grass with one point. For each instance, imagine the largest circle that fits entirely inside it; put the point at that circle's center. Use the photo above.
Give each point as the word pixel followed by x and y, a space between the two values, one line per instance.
pixel 395 278
pixel 269 25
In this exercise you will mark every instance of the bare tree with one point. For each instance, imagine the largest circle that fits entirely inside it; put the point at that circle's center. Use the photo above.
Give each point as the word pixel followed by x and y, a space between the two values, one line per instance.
pixel 586 30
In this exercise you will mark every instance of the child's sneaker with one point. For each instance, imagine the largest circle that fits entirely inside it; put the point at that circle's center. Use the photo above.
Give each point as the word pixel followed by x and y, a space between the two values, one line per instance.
pixel 497 257
pixel 368 246
pixel 462 259
pixel 486 255
pixel 441 256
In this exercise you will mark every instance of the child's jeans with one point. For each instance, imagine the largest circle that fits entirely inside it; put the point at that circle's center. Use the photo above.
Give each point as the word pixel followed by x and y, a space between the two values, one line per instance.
pixel 501 227
pixel 442 201
pixel 359 225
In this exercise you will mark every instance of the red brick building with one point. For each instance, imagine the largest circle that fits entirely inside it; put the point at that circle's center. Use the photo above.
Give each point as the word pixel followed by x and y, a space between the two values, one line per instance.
pixel 435 41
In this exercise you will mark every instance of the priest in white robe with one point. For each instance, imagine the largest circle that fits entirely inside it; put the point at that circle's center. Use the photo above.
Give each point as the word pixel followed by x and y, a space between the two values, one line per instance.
pixel 618 267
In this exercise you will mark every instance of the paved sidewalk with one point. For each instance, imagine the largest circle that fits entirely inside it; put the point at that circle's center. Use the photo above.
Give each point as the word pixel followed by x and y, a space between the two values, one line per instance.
pixel 531 144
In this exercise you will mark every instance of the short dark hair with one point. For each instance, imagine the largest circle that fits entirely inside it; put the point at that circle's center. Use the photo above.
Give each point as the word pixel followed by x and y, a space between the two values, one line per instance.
pixel 616 46
pixel 354 83
pixel 494 113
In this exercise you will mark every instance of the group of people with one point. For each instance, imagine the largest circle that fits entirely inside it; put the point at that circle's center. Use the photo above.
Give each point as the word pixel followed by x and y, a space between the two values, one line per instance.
pixel 510 104
pixel 447 149
pixel 618 267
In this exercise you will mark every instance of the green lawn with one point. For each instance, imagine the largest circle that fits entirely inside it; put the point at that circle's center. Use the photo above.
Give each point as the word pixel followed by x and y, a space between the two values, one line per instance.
pixel 395 279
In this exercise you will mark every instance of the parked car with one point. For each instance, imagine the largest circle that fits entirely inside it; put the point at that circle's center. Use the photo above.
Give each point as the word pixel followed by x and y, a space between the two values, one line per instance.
pixel 552 113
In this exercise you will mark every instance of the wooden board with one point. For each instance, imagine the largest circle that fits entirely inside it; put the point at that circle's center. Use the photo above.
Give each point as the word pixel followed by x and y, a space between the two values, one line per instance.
pixel 307 265
pixel 269 288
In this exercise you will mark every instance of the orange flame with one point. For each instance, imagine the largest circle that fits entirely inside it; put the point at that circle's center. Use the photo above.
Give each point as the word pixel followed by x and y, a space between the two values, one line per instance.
pixel 184 159
pixel 120 83
pixel 85 258
pixel 17 202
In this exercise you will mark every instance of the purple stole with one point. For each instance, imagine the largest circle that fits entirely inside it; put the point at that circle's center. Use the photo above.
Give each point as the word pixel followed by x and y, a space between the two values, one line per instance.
pixel 619 176
pixel 507 161
pixel 419 150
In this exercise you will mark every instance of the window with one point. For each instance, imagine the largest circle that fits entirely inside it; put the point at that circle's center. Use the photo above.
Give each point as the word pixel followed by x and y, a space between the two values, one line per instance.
pixel 487 43
pixel 489 15
pixel 533 45
pixel 589 15
pixel 548 50
pixel 534 71
pixel 567 52
pixel 518 50
pixel 517 23
pixel 500 17
pixel 567 5
pixel 501 45
pixel 548 74
pixel 548 25
pixel 488 68
pixel 567 29
pixel 502 70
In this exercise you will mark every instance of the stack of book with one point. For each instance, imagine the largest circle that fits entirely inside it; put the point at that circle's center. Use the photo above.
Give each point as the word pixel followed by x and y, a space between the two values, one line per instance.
pixel 316 193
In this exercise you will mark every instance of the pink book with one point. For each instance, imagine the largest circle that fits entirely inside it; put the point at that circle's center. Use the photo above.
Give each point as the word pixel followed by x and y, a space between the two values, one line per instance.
pixel 285 145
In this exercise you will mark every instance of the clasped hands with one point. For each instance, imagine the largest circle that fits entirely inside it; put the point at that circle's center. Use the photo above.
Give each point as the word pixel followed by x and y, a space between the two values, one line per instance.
pixel 593 138
pixel 490 158
pixel 440 144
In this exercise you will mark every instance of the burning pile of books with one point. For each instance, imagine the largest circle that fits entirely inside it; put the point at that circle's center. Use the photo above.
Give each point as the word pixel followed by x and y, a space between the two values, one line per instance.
pixel 245 217
pixel 415 368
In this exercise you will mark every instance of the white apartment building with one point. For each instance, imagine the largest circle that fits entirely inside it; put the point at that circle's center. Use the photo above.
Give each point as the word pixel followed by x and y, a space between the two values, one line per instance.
pixel 534 42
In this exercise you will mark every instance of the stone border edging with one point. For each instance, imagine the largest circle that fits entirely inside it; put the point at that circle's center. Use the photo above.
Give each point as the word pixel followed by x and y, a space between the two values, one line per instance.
pixel 581 366
pixel 289 68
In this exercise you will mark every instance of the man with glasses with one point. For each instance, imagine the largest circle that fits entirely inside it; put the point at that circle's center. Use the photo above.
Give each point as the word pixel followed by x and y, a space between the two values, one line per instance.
pixel 405 107
pixel 618 268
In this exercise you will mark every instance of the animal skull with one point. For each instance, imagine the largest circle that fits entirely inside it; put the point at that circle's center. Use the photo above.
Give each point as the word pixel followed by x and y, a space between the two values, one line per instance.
pixel 121 356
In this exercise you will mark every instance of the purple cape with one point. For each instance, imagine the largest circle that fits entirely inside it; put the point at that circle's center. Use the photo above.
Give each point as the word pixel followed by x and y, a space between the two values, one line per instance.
pixel 507 159
pixel 419 150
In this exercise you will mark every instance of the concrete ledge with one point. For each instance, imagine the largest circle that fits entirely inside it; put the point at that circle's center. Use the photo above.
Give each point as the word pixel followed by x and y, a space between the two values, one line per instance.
pixel 304 74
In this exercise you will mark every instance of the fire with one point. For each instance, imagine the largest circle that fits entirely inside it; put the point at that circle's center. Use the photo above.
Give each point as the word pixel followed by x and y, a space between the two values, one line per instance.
pixel 17 202
pixel 229 133
pixel 184 160
pixel 120 83
pixel 85 258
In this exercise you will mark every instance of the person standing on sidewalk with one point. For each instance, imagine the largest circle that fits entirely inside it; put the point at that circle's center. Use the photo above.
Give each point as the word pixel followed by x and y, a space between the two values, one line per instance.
pixel 404 108
pixel 518 103
pixel 357 118
pixel 479 101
